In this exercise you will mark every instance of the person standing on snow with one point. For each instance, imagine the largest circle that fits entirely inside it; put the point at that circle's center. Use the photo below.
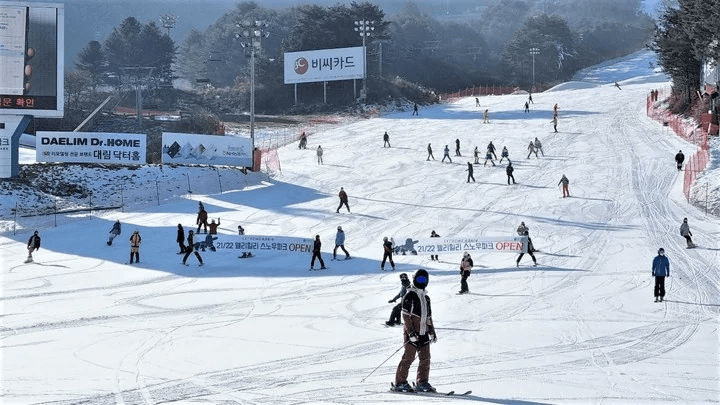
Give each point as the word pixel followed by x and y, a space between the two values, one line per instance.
pixel 316 254
pixel 33 245
pixel 531 149
pixel 477 102
pixel 418 333
pixel 525 231
pixel 303 141
pixel 530 98
pixel 446 155
pixel 386 139
pixel 457 147
pixel 685 232
pixel 387 254
pixel 397 309
pixel 679 159
pixel 343 200
pixel 114 232
pixel 415 110
pixel 554 122
pixel 213 226
pixel 489 156
pixel 191 249
pixel 201 220
pixel 470 173
pixel 319 154
pixel 565 182
pixel 135 241
pixel 476 154
pixel 340 243
pixel 555 110
pixel 434 235
pixel 241 231
pixel 430 155
pixel 491 148
pixel 538 147
pixel 181 239
pixel 660 270
pixel 465 267
pixel 509 171
pixel 486 116
pixel 504 154
pixel 527 107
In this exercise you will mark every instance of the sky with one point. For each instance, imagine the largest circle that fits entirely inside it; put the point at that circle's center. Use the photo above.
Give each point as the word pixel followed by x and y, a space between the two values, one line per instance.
pixel 80 325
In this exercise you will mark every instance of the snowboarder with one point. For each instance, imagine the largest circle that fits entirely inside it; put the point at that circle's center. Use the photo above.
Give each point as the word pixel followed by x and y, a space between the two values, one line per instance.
pixel 340 243
pixel 486 116
pixel 565 182
pixel 531 149
pixel 434 235
pixel 114 232
pixel 386 139
pixel 685 232
pixel 477 102
pixel 415 110
pixel 319 154
pixel 509 171
pixel 489 156
pixel 316 254
pixel 538 147
pixel 660 270
pixel 343 200
pixel 470 173
pixel 213 226
pixel 491 148
pixel 465 267
pixel 303 141
pixel 418 333
pixel 527 106
pixel 554 122
pixel 430 154
pixel 504 154
pixel 201 220
pixel 135 241
pixel 446 155
pixel 397 309
pixel 387 254
pixel 241 231
pixel 457 147
pixel 181 239
pixel 679 159
pixel 33 245
pixel 476 154
pixel 523 230
pixel 191 248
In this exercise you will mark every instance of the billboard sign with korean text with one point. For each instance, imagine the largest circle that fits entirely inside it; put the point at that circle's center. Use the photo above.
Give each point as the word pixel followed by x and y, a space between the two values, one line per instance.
pixel 91 147
pixel 434 246
pixel 324 65
pixel 31 58
pixel 193 149
pixel 237 244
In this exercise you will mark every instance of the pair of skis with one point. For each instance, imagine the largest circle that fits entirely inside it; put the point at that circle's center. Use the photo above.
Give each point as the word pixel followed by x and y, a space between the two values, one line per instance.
pixel 429 393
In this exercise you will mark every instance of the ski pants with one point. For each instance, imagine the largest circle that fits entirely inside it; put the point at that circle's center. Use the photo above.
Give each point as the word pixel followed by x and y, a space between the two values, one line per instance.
pixel 463 281
pixel 387 256
pixel 566 191
pixel 523 254
pixel 316 255
pixel 137 255
pixel 203 225
pixel 446 156
pixel 430 155
pixel 510 176
pixel 111 236
pixel 183 249
pixel 343 249
pixel 659 286
pixel 345 203
pixel 422 352
pixel 395 314
pixel 190 250
pixel 470 176
pixel 688 239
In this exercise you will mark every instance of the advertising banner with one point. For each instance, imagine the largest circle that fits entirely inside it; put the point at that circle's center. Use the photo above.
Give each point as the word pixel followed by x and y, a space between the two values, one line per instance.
pixel 324 65
pixel 91 147
pixel 193 149
pixel 5 154
pixel 236 244
pixel 485 244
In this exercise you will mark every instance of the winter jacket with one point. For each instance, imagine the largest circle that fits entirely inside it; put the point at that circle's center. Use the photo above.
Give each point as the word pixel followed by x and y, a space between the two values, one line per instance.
pixel 685 229
pixel 504 152
pixel 491 147
pixel 190 242
pixel 523 230
pixel 509 170
pixel 201 217
pixel 401 294
pixel 343 196
pixel 531 147
pixel 387 247
pixel 316 246
pixel 417 314
pixel 180 235
pixel 564 180
pixel 466 264
pixel 340 238
pixel 135 240
pixel 34 242
pixel 661 266
pixel 538 144
pixel 319 151
pixel 213 227
pixel 116 229
pixel 680 157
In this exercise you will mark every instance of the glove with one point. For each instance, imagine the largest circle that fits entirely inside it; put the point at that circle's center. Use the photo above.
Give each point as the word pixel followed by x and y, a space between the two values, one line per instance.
pixel 391 301
pixel 413 338
pixel 432 337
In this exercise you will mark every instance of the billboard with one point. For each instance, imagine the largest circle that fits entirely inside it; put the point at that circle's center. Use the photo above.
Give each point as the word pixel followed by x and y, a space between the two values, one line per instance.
pixel 484 244
pixel 91 147
pixel 193 149
pixel 31 58
pixel 324 65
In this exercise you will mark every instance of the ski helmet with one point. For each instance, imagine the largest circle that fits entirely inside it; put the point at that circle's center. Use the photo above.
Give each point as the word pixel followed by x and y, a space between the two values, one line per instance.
pixel 403 276
pixel 385 239
pixel 661 251
pixel 420 279
pixel 684 219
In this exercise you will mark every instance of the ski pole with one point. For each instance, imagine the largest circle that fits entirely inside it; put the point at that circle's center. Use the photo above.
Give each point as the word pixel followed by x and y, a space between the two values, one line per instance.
pixel 382 363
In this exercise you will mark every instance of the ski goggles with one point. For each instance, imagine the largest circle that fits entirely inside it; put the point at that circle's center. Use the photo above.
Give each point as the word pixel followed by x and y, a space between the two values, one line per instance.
pixel 422 279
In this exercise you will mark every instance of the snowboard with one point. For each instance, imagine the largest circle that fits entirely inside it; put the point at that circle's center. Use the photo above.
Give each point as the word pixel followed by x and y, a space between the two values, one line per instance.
pixel 245 257
pixel 326 268
pixel 691 247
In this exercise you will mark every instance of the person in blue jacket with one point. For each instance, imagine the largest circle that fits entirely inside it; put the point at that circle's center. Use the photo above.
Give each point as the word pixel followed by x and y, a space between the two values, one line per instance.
pixel 660 270
pixel 340 243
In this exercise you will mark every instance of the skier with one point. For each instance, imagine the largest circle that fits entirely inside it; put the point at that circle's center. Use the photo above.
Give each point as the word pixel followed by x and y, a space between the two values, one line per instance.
pixel 554 122
pixel 33 245
pixel 244 255
pixel 181 239
pixel 679 159
pixel 319 154
pixel 135 241
pixel 660 270
pixel 509 171
pixel 685 232
pixel 303 141
pixel 434 235
pixel 446 155
pixel 470 173
pixel 465 267
pixel 523 230
pixel 527 107
pixel 387 254
pixel 457 147
pixel 213 226
pixel 201 220
pixel 114 232
pixel 386 139
pixel 565 182
pixel 538 147
pixel 343 200
pixel 430 154
pixel 491 148
pixel 418 333
pixel 340 243
pixel 191 248
pixel 415 110
pixel 504 154
pixel 477 102
pixel 555 110
pixel 489 156
pixel 531 149
pixel 530 98
pixel 486 117
pixel 316 254
pixel 395 314
pixel 476 154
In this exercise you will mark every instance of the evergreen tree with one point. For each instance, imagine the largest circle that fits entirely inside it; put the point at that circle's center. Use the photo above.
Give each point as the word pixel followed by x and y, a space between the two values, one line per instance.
pixel 91 60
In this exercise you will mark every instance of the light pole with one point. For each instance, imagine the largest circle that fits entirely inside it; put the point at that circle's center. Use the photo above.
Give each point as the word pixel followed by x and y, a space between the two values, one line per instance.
pixel 252 33
pixel 533 52
pixel 364 28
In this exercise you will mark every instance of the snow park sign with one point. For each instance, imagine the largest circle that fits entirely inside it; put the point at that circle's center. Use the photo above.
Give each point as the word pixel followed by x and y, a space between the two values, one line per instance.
pixel 433 246
pixel 260 243
pixel 91 147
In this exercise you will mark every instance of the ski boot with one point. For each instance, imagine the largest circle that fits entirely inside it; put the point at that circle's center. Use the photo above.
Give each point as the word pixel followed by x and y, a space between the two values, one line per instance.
pixel 424 387
pixel 403 387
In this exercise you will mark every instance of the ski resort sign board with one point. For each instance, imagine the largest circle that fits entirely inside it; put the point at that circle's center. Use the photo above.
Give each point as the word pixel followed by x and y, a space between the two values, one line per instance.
pixel 433 246
pixel 192 149
pixel 91 147
pixel 324 65
pixel 261 243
